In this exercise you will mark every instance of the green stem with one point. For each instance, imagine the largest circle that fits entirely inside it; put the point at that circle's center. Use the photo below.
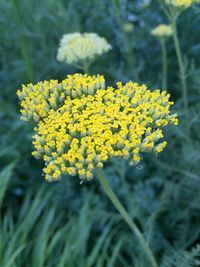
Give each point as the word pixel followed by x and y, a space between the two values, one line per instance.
pixel 86 67
pixel 126 217
pixel 130 55
pixel 164 64
pixel 23 44
pixel 182 69
pixel 130 200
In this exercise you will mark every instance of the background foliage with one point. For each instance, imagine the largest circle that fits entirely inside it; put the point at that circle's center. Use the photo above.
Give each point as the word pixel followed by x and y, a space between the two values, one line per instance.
pixel 68 224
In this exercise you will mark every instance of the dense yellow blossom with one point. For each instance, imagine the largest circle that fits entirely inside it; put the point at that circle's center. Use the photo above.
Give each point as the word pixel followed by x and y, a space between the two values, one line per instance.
pixel 78 47
pixel 82 131
pixel 180 3
pixel 38 99
pixel 162 31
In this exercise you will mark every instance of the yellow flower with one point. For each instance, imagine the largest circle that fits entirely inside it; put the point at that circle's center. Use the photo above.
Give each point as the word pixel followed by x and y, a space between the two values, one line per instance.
pixel 162 31
pixel 180 3
pixel 44 97
pixel 84 129
pixel 77 47
pixel 128 27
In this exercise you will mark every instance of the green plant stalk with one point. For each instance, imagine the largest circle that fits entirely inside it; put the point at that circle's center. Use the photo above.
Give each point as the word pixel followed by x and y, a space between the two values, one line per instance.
pixel 23 44
pixel 131 55
pixel 85 67
pixel 164 63
pixel 127 218
pixel 130 200
pixel 181 68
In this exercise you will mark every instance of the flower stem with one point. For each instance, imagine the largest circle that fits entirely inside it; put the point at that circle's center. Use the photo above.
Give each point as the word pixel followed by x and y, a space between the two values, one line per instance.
pixel 23 44
pixel 86 67
pixel 126 217
pixel 130 57
pixel 182 70
pixel 164 64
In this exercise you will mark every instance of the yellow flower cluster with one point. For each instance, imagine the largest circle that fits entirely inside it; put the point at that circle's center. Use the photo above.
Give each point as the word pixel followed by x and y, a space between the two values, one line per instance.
pixel 78 47
pixel 162 31
pixel 96 124
pixel 180 3
pixel 37 100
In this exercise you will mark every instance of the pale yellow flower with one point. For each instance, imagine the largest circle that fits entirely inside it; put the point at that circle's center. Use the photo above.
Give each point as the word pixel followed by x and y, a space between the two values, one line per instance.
pixel 128 27
pixel 77 47
pixel 162 31
pixel 180 3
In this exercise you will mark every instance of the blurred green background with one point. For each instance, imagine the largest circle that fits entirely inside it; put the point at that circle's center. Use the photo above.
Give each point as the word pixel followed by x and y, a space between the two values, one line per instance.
pixel 66 224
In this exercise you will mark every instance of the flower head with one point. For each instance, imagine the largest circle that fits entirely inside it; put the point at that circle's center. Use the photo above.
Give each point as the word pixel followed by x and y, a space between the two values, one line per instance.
pixel 81 131
pixel 128 27
pixel 162 31
pixel 37 100
pixel 180 3
pixel 77 47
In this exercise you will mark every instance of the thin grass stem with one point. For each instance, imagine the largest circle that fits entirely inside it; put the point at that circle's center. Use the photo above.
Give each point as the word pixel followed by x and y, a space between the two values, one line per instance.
pixel 23 44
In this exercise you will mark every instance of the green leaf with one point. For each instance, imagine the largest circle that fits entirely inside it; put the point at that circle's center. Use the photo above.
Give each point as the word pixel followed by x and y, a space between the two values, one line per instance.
pixel 5 175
